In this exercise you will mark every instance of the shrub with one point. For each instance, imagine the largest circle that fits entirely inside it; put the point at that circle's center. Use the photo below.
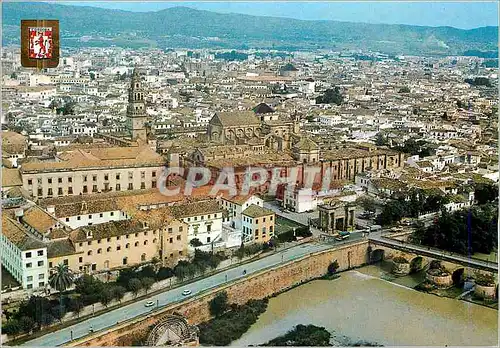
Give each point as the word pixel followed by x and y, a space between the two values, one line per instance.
pixel 400 259
pixel 164 273
pixel 218 305
pixel 484 279
pixel 333 267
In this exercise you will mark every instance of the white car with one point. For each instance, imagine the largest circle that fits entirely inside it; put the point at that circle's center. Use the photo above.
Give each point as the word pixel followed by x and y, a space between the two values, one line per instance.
pixel 186 292
pixel 149 304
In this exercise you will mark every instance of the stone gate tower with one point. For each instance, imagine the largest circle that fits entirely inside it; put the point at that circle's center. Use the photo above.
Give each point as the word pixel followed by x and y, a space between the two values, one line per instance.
pixel 136 110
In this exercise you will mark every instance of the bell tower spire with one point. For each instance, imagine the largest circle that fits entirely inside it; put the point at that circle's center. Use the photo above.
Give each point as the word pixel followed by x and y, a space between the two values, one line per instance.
pixel 136 110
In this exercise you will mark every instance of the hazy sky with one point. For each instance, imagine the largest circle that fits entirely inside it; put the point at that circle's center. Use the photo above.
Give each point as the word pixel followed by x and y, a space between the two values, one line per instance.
pixel 464 15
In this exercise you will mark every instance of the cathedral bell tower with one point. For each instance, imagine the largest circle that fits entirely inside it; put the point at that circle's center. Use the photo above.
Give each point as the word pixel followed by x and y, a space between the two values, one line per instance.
pixel 136 110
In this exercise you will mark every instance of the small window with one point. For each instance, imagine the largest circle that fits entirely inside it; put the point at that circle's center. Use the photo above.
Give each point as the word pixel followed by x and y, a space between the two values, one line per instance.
pixel 136 244
pixel 41 276
pixel 94 178
pixel 49 180
pixel 70 179
pixel 89 242
pixel 29 278
pixel 118 248
pixel 30 182
pixel 145 242
pixel 101 214
pixel 127 245
pixel 155 240
pixel 108 240
pixel 89 252
pixel 28 254
pixel 99 251
pixel 67 219
pixel 179 237
pixel 112 213
pixel 181 228
pixel 78 217
pixel 29 286
pixel 108 249
pixel 80 259
pixel 29 265
pixel 117 176
pixel 70 190
pixel 59 180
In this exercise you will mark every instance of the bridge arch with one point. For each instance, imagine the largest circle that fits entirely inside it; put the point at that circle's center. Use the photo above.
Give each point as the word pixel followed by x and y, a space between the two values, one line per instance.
pixel 377 255
pixel 416 264
pixel 458 276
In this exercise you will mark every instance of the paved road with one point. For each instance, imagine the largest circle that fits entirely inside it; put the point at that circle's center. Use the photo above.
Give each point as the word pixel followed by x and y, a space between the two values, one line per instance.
pixel 301 218
pixel 444 255
pixel 133 310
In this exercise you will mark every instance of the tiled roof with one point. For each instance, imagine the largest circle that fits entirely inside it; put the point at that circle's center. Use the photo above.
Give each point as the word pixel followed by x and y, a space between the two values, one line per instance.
pixel 18 235
pixel 195 209
pixel 106 230
pixel 59 248
pixel 228 119
pixel 256 211
pixel 11 177
pixel 306 144
pixel 98 158
pixel 39 219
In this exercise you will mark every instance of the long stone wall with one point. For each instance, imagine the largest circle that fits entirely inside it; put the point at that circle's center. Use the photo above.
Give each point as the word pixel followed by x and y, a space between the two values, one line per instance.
pixel 255 286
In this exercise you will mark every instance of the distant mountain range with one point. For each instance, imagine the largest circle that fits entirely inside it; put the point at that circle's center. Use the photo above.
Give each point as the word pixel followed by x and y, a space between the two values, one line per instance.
pixel 189 28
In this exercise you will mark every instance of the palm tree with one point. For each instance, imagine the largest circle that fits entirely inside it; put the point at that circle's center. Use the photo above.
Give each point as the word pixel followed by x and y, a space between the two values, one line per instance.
pixel 60 280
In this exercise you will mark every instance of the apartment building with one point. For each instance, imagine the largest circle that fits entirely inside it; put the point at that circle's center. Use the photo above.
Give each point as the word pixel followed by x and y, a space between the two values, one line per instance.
pixel 258 224
pixel 22 255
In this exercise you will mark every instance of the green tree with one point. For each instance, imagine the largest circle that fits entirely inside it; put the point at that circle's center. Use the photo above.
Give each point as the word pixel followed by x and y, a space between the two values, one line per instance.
pixel 13 75
pixel 12 327
pixel 135 286
pixel 218 305
pixel 195 242
pixel 77 306
pixel 485 193
pixel 118 293
pixel 106 297
pixel 333 267
pixel 26 323
pixel 381 140
pixel 331 96
pixel 367 203
pixel 147 283
pixel 61 280
pixel 164 273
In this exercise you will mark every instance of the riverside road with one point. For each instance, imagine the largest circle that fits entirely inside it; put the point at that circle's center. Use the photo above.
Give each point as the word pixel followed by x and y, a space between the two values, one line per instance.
pixel 127 312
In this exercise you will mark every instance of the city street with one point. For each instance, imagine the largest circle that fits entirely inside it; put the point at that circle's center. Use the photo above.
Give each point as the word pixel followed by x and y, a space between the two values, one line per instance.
pixel 133 310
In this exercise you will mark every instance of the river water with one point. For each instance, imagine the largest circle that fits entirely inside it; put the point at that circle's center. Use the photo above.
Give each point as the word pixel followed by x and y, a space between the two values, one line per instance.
pixel 363 307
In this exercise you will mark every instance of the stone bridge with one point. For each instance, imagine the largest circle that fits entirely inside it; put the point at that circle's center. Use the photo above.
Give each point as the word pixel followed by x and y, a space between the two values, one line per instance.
pixel 382 248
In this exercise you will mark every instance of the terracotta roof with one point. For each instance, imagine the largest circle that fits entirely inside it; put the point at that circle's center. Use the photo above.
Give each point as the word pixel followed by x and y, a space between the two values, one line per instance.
pixel 195 209
pixel 13 142
pixel 39 219
pixel 256 211
pixel 59 248
pixel 242 118
pixel 240 199
pixel 106 230
pixel 306 144
pixel 90 206
pixel 17 234
pixel 103 157
pixel 11 177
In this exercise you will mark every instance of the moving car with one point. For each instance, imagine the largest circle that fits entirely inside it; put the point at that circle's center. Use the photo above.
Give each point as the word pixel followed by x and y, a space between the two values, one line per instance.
pixel 149 304
pixel 186 292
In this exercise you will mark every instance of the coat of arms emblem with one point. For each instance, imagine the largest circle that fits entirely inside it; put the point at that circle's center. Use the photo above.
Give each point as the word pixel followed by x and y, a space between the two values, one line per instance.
pixel 40 45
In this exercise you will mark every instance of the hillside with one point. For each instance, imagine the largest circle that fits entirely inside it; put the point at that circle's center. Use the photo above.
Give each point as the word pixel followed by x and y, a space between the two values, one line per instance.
pixel 186 27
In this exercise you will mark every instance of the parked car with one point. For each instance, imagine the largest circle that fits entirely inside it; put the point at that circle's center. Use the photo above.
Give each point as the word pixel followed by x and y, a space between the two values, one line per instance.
pixel 149 304
pixel 186 292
